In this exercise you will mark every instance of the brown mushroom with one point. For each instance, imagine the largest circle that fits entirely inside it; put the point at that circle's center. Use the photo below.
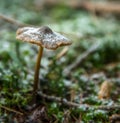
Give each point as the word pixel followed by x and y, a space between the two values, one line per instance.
pixel 45 38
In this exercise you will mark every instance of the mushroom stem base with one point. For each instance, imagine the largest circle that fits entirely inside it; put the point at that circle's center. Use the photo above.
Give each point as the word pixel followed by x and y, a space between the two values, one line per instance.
pixel 37 67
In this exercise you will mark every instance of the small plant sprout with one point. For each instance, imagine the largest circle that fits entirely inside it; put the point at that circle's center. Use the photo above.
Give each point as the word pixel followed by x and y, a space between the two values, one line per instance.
pixel 44 37
pixel 105 90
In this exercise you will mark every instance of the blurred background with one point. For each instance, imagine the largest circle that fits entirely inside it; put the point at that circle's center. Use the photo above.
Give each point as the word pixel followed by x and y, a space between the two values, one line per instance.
pixel 78 71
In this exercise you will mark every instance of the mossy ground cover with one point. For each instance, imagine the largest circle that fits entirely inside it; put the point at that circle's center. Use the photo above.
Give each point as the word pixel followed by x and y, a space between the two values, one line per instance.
pixel 17 60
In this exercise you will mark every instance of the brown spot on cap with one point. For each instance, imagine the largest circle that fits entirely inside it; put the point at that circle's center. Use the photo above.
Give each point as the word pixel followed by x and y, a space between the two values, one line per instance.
pixel 45 30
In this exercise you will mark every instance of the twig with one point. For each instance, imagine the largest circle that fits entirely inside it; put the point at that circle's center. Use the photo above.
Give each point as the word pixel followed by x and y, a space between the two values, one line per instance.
pixel 80 59
pixel 113 107
pixel 114 118
pixel 102 7
pixel 58 99
pixel 62 53
pixel 11 110
pixel 76 105
pixel 12 21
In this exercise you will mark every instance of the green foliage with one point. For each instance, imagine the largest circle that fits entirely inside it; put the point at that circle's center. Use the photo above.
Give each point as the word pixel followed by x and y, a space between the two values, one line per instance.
pixel 62 12
pixel 55 110
pixel 110 45
pixel 92 100
pixel 98 116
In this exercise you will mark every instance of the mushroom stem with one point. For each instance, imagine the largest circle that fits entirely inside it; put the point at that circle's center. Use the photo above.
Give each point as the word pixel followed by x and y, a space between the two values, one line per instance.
pixel 37 66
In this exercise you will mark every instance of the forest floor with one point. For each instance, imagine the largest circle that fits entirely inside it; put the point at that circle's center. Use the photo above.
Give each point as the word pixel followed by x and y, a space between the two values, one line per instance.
pixel 79 83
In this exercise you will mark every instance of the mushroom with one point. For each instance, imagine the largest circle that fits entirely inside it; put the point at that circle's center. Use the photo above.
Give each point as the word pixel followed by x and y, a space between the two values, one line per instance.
pixel 44 37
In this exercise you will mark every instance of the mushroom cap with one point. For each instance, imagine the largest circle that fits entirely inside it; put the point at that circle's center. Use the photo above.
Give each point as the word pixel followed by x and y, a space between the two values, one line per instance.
pixel 42 36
